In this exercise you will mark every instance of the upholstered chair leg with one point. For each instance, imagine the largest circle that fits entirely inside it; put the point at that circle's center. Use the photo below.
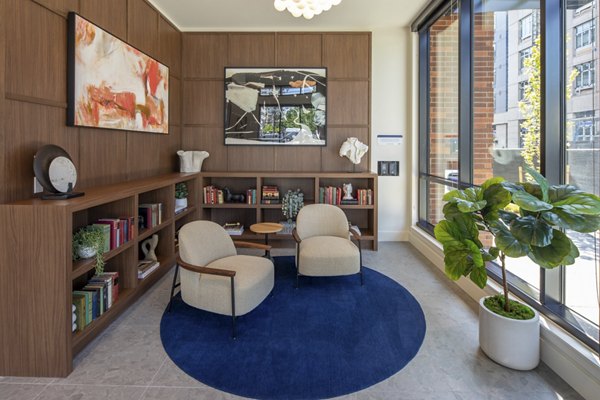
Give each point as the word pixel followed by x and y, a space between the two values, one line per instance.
pixel 232 309
pixel 361 264
pixel 173 286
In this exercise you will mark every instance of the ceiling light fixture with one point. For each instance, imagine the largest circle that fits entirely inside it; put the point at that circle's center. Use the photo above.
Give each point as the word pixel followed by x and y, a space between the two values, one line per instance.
pixel 305 8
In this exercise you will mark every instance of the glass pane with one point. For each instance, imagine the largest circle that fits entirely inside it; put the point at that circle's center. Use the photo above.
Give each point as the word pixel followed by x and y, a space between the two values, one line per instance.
pixel 435 192
pixel 443 94
pixel 582 147
pixel 506 104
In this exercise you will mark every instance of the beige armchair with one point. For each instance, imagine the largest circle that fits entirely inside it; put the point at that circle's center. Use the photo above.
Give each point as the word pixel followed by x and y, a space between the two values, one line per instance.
pixel 323 244
pixel 214 277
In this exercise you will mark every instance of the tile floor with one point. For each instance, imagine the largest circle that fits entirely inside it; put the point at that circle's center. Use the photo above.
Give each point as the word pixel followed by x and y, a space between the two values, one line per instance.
pixel 128 362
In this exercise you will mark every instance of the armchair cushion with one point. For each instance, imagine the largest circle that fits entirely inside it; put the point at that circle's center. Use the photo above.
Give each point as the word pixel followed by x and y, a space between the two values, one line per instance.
pixel 328 256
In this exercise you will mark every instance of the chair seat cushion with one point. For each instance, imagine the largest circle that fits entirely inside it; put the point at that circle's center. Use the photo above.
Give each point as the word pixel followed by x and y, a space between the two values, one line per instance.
pixel 254 280
pixel 328 256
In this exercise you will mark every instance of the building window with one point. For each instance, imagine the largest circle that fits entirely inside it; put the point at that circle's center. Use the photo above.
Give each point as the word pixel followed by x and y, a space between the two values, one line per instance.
pixel 586 77
pixel 522 88
pixel 525 27
pixel 585 126
pixel 585 34
pixel 522 132
pixel 523 55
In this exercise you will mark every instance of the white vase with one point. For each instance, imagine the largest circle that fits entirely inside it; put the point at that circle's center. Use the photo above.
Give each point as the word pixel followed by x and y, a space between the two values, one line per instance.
pixel 86 252
pixel 510 342
pixel 180 204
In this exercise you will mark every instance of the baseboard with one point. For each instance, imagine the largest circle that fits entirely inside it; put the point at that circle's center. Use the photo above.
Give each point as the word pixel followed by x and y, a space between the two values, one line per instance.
pixel 393 236
pixel 565 355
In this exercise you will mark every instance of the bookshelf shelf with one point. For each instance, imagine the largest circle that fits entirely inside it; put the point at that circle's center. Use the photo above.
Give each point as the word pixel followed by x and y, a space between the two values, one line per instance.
pixel 230 205
pixel 36 251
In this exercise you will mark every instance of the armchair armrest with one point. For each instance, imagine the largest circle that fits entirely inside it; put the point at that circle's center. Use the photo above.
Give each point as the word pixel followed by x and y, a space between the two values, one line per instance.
pixel 355 234
pixel 205 270
pixel 250 245
pixel 295 236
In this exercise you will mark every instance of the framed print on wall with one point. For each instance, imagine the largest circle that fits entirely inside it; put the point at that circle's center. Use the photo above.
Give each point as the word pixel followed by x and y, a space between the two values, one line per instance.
pixel 276 106
pixel 113 85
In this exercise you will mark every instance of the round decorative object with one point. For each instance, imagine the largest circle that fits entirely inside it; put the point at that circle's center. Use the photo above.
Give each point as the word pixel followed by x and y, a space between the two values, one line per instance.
pixel 62 174
pixel 86 252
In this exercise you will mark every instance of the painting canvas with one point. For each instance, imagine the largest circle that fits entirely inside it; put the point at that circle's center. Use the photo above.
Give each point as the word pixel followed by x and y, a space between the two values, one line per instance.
pixel 276 106
pixel 112 84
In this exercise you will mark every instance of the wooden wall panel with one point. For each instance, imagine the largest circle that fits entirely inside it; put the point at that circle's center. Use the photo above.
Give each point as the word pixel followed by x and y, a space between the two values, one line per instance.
pixel 208 139
pixel 297 159
pixel 3 102
pixel 205 55
pixel 251 49
pixel 203 103
pixel 347 55
pixel 299 50
pixel 174 101
pixel 143 154
pixel 170 46
pixel 61 7
pixel 142 27
pixel 168 160
pixel 103 157
pixel 250 158
pixel 347 103
pixel 111 15
pixel 32 126
pixel 331 160
pixel 36 52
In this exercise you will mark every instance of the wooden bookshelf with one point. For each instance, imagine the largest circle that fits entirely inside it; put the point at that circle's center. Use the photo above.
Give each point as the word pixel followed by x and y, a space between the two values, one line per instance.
pixel 38 274
pixel 364 216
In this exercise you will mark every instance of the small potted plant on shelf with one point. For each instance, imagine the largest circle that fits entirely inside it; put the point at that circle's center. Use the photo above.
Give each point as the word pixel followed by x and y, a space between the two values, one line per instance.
pixel 516 220
pixel 293 201
pixel 181 194
pixel 88 242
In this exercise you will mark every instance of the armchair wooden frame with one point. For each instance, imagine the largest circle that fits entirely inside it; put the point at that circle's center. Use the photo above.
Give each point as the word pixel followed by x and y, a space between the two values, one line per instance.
pixel 355 235
pixel 217 272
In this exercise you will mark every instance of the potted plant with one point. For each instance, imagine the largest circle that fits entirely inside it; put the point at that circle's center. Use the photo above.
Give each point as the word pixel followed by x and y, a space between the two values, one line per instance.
pixel 181 194
pixel 523 219
pixel 89 242
pixel 293 201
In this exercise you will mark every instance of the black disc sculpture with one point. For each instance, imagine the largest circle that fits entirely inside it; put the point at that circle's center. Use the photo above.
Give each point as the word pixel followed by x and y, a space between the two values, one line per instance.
pixel 55 171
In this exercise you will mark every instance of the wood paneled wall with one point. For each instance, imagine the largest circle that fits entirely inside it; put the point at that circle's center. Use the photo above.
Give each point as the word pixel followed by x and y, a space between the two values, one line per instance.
pixel 347 56
pixel 33 93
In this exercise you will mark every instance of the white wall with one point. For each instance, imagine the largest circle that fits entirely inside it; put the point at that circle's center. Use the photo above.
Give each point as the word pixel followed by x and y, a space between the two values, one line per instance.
pixel 391 110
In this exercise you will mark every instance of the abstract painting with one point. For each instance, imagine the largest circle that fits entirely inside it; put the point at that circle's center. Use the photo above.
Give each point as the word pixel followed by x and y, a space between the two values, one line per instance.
pixel 112 84
pixel 276 106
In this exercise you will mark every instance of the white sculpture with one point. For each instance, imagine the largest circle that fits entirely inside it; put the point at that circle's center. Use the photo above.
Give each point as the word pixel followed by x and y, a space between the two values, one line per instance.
pixel 347 191
pixel 191 161
pixel 353 149
pixel 148 248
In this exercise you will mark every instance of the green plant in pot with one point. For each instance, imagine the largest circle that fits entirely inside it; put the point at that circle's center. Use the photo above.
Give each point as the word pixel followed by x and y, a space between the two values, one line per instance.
pixel 524 220
pixel 293 201
pixel 89 242
pixel 181 194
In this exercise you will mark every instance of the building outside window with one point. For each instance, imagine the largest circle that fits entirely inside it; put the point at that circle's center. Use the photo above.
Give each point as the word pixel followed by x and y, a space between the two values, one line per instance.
pixel 523 55
pixel 585 34
pixel 586 75
pixel 525 27
pixel 585 126
pixel 521 88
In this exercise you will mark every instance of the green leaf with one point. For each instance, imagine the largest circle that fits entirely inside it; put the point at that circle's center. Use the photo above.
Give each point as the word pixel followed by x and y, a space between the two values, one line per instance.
pixel 496 196
pixel 512 187
pixel 475 253
pixel 529 202
pixel 573 254
pixel 565 220
pixel 540 181
pixel 507 216
pixel 580 203
pixel 560 192
pixel 468 200
pixel 451 195
pixel 507 243
pixel 492 181
pixel 479 276
pixel 446 231
pixel 532 231
pixel 533 189
pixel 552 255
pixel 466 206
pixel 456 261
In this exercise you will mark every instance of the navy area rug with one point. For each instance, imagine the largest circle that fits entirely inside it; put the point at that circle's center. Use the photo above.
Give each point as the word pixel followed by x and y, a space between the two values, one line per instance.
pixel 328 338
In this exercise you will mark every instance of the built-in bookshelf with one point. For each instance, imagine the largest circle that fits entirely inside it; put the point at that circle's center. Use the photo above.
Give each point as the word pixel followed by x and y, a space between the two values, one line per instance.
pixel 362 215
pixel 39 275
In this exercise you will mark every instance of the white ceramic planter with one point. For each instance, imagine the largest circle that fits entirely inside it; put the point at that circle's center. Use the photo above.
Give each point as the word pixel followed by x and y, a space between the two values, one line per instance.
pixel 180 204
pixel 510 342
pixel 86 252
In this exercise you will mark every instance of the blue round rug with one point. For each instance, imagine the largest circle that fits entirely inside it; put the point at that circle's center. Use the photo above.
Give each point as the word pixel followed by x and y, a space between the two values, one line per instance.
pixel 328 338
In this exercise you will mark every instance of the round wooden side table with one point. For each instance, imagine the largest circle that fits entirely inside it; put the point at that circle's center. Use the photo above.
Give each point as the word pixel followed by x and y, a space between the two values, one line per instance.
pixel 266 228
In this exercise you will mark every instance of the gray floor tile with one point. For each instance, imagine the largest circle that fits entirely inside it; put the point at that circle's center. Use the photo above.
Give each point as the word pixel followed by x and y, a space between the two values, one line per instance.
pixel 170 375
pixel 162 393
pixel 19 391
pixel 87 392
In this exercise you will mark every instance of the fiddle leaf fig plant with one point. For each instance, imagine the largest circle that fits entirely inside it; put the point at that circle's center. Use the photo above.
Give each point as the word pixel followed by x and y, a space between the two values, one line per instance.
pixel 524 219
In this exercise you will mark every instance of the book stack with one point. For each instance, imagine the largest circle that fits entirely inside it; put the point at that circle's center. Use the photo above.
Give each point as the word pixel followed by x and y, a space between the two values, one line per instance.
pixel 117 231
pixel 251 196
pixel 234 228
pixel 365 197
pixel 146 267
pixel 95 298
pixel 150 215
pixel 330 195
pixel 213 195
pixel 270 195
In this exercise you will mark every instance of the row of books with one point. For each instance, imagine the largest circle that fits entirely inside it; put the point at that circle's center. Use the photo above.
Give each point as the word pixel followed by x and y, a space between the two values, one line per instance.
pixel 145 268
pixel 334 195
pixel 365 197
pixel 251 196
pixel 95 298
pixel 212 195
pixel 270 194
pixel 234 228
pixel 150 215
pixel 117 231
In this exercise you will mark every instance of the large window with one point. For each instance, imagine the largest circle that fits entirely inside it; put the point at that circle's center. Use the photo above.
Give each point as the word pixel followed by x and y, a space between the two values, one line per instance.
pixel 499 118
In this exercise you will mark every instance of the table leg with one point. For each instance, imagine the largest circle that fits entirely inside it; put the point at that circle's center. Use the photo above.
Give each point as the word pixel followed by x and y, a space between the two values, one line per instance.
pixel 267 252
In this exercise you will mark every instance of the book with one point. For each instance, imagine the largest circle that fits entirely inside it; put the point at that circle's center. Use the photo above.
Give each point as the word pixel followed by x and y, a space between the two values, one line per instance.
pixel 102 295
pixel 113 223
pixel 234 228
pixel 106 232
pixel 79 301
pixel 108 280
pixel 95 305
pixel 145 268
pixel 115 284
pixel 89 316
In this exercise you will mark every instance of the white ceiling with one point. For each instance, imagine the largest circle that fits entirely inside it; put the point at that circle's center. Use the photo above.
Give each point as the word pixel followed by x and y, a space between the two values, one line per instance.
pixel 259 15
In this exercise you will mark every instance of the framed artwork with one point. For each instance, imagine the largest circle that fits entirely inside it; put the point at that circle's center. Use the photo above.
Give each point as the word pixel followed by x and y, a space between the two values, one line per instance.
pixel 113 85
pixel 276 106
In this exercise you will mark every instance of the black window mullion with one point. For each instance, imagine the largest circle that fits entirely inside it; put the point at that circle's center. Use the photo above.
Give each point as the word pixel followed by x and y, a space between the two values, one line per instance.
pixel 465 95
